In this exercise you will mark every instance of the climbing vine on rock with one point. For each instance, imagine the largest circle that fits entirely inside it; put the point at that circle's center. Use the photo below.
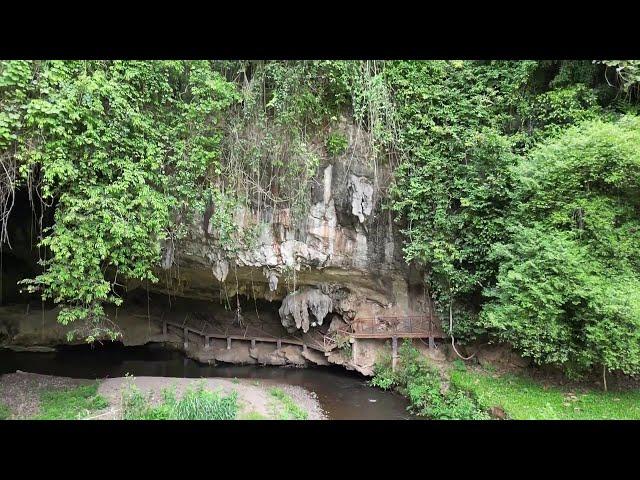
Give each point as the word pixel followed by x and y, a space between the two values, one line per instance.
pixel 120 150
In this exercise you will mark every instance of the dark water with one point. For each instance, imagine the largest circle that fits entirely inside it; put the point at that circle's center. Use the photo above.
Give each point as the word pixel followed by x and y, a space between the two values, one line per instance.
pixel 342 394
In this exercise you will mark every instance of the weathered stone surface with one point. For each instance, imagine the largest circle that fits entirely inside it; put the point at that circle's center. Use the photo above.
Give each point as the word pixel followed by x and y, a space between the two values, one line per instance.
pixel 305 308
pixel 338 261
pixel 361 197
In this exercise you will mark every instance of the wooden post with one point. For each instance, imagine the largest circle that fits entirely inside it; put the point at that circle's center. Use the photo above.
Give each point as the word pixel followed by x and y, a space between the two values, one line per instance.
pixel 394 354
pixel 186 338
pixel 304 348
pixel 432 344
pixel 207 341
pixel 279 344
pixel 354 351
pixel 253 343
pixel 228 343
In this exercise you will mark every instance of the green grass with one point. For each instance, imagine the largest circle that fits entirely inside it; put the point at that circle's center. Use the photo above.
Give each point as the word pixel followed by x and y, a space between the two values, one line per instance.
pixel 70 403
pixel 253 415
pixel 195 404
pixel 525 399
pixel 4 412
pixel 285 408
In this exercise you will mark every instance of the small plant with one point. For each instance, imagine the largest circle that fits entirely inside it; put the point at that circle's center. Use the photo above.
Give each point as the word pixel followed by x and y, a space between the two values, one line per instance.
pixel 344 344
pixel 289 410
pixel 458 365
pixel 253 415
pixel 383 375
pixel 5 412
pixel 336 144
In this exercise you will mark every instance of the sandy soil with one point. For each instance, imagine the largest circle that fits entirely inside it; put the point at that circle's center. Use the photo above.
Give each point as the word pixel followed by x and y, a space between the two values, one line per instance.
pixel 20 391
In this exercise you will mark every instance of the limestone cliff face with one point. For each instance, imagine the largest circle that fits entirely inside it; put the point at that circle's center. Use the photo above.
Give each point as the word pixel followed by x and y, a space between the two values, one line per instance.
pixel 343 257
pixel 339 261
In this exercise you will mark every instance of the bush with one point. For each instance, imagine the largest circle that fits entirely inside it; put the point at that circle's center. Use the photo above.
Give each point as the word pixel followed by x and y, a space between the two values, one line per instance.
pixel 336 144
pixel 421 384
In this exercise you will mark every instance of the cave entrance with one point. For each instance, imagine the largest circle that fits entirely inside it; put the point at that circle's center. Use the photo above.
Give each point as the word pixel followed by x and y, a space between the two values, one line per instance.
pixel 20 256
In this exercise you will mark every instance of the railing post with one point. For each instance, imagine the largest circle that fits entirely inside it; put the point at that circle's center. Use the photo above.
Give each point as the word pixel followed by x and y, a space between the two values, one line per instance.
pixel 253 343
pixel 279 343
pixel 394 354
pixel 186 338
pixel 228 343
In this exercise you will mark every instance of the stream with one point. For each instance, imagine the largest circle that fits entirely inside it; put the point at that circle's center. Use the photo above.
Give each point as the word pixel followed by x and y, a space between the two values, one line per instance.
pixel 342 394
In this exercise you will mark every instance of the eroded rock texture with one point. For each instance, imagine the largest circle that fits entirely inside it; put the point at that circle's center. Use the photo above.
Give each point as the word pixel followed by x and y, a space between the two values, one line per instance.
pixel 305 308
pixel 342 257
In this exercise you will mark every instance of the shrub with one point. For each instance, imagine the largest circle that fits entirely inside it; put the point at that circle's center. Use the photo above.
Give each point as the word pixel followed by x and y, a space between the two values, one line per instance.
pixel 422 385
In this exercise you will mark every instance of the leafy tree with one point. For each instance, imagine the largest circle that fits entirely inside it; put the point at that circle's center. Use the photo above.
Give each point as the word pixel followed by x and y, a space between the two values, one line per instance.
pixel 120 149
pixel 568 291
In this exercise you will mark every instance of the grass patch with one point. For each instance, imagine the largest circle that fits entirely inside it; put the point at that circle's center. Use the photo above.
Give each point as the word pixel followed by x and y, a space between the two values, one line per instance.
pixel 70 403
pixel 286 408
pixel 525 399
pixel 195 404
pixel 253 415
pixel 4 412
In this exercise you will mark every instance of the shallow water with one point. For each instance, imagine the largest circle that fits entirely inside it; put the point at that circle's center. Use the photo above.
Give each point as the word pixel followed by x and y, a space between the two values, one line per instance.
pixel 342 394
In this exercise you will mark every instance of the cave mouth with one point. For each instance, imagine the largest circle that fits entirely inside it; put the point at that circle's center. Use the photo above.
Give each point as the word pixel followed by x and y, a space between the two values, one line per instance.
pixel 19 258
pixel 218 314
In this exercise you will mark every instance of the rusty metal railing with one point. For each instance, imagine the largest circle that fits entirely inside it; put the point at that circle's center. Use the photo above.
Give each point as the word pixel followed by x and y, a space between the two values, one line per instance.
pixel 393 325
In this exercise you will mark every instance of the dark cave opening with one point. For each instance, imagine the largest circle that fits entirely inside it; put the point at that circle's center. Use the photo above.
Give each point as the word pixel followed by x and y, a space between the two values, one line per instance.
pixel 19 258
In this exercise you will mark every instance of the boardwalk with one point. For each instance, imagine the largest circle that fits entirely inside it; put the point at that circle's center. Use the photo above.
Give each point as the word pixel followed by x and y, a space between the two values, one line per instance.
pixel 362 328
pixel 252 333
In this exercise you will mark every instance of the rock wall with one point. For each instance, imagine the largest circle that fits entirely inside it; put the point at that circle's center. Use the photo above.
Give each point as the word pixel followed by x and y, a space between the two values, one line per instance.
pixel 343 257
pixel 340 261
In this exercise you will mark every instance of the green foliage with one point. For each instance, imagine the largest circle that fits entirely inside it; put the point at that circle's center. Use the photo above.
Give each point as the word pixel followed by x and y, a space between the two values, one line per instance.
pixel 70 403
pixel 253 415
pixel 462 128
pixel 195 404
pixel 5 412
pixel 383 375
pixel 119 148
pixel 422 385
pixel 336 144
pixel 286 408
pixel 568 291
pixel 525 399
